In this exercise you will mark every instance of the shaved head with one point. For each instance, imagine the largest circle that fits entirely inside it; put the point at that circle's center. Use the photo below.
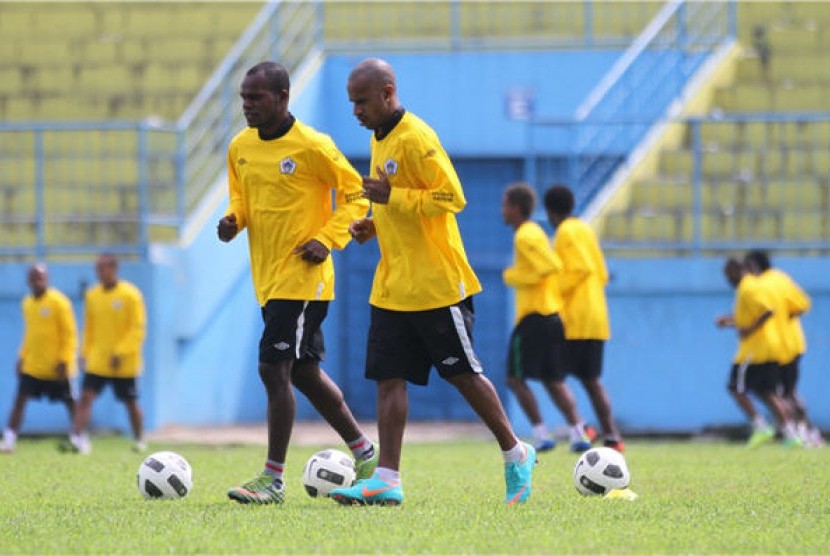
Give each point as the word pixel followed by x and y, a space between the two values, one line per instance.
pixel 38 279
pixel 376 71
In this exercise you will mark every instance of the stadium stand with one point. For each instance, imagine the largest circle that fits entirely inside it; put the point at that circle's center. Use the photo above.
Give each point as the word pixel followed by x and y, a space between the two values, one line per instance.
pixel 764 150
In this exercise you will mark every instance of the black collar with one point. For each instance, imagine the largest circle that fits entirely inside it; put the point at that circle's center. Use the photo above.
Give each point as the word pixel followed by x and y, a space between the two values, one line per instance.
pixel 282 130
pixel 387 128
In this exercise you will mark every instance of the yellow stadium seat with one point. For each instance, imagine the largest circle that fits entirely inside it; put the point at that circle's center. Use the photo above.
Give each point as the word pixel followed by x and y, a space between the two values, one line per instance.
pixel 805 226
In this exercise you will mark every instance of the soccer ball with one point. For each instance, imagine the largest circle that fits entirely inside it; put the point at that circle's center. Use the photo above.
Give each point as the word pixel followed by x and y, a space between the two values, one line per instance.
pixel 327 470
pixel 164 476
pixel 599 471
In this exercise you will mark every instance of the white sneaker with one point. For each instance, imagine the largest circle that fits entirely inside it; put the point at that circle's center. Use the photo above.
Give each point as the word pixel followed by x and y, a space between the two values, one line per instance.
pixel 81 443
pixel 6 449
pixel 140 446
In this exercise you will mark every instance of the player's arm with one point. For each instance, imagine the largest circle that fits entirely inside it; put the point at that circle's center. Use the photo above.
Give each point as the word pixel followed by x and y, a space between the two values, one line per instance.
pixel 748 331
pixel 236 217
pixel 68 338
pixel 543 262
pixel 349 203
pixel 798 302
pixel 24 343
pixel 89 328
pixel 134 337
pixel 576 265
pixel 438 189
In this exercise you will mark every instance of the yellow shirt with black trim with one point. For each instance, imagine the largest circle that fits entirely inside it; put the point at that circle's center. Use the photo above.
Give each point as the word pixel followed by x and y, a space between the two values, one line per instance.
pixel 582 281
pixel 753 299
pixel 791 302
pixel 281 192
pixel 534 272
pixel 50 335
pixel 114 324
pixel 423 264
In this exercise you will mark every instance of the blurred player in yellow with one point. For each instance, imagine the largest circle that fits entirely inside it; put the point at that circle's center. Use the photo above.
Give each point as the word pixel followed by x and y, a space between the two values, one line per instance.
pixel 46 361
pixel 282 176
pixel 421 301
pixel 537 343
pixel 755 366
pixel 792 303
pixel 113 337
pixel 584 310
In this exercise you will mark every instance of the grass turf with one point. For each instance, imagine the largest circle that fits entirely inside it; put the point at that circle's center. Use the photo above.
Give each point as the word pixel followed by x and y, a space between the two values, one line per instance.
pixel 694 498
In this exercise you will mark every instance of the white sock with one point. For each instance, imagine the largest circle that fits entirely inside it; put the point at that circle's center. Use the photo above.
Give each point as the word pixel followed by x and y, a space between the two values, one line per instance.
pixel 540 431
pixel 514 454
pixel 758 422
pixel 577 432
pixel 389 476
pixel 9 438
pixel 362 448
pixel 274 469
pixel 789 430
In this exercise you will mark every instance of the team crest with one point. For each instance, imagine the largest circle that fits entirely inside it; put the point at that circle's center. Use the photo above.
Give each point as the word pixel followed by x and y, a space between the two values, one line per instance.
pixel 390 167
pixel 44 312
pixel 287 165
pixel 117 304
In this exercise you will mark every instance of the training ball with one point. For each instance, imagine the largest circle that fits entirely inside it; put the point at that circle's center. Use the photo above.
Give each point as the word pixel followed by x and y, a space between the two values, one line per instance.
pixel 165 476
pixel 599 471
pixel 327 470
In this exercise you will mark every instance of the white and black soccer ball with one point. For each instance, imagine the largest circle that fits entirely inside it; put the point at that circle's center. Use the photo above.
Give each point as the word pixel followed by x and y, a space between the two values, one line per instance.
pixel 165 476
pixel 327 470
pixel 599 471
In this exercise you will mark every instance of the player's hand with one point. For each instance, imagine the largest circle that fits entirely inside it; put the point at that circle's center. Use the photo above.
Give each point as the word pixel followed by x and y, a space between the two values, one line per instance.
pixel 362 230
pixel 60 371
pixel 312 251
pixel 115 362
pixel 725 320
pixel 227 228
pixel 377 189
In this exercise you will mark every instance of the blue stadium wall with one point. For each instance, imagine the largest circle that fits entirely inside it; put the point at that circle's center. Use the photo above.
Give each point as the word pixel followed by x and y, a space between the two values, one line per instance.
pixel 666 365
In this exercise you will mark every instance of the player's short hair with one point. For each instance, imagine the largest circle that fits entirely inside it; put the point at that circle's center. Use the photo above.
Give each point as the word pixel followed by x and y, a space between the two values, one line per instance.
pixel 275 74
pixel 521 196
pixel 559 199
pixel 758 258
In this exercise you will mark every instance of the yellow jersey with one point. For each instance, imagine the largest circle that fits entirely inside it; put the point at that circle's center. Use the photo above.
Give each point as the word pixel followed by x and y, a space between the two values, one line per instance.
pixel 582 281
pixel 791 302
pixel 114 324
pixel 423 264
pixel 50 335
pixel 753 299
pixel 281 192
pixel 534 272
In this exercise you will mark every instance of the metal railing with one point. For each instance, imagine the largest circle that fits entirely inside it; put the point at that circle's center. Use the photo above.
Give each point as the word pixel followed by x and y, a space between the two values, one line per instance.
pixel 637 91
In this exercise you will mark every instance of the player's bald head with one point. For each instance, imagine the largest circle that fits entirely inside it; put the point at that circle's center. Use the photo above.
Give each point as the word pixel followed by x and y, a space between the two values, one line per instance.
pixel 375 71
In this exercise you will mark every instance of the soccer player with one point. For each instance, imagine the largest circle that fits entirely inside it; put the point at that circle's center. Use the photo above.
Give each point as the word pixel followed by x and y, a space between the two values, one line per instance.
pixel 114 330
pixel 281 174
pixel 537 342
pixel 421 305
pixel 755 365
pixel 792 303
pixel 584 310
pixel 46 361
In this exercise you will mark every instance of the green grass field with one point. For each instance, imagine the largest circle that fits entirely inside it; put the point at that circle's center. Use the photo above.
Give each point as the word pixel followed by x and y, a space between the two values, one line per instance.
pixel 694 498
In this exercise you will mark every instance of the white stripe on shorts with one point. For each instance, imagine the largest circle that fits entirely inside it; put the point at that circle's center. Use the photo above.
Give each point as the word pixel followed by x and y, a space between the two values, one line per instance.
pixel 300 327
pixel 740 385
pixel 466 343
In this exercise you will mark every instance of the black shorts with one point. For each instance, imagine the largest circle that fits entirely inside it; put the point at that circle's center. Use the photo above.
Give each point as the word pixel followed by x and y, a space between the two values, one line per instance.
pixel 758 378
pixel 406 344
pixel 124 388
pixel 292 330
pixel 789 377
pixel 583 358
pixel 537 348
pixel 54 390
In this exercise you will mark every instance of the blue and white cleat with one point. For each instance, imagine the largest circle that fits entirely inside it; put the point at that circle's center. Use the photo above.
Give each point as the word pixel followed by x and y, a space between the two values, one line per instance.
pixel 372 491
pixel 518 475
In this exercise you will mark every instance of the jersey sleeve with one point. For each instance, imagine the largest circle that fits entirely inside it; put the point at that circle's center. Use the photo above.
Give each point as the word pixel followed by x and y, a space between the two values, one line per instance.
pixel 235 193
pixel 89 326
pixel 68 332
pixel 134 336
pixel 540 257
pixel 576 261
pixel 438 190
pixel 349 204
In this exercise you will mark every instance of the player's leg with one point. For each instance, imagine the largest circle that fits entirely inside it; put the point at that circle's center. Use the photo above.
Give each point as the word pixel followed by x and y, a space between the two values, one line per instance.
pixel 764 380
pixel 278 350
pixel 762 432
pixel 15 420
pixel 583 360
pixel 447 334
pixel 91 387
pixel 126 391
pixel 325 395
pixel 527 359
